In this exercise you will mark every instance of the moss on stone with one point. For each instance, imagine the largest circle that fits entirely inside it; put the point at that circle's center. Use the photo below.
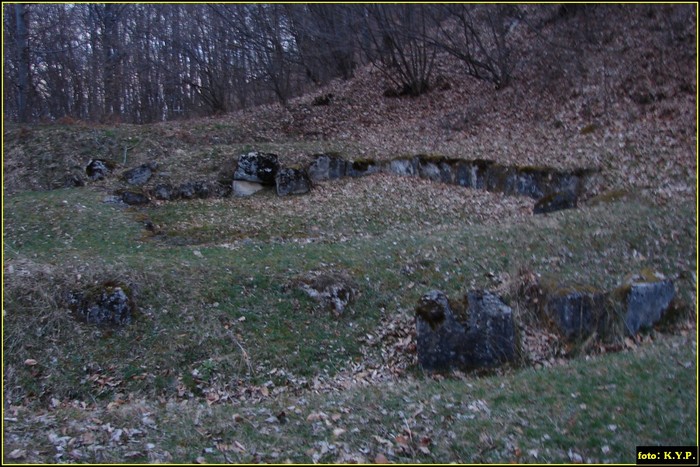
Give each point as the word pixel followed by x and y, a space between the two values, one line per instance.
pixel 431 313
pixel 460 309
pixel 550 287
pixel 431 158
pixel 363 164
pixel 534 170
pixel 609 196
pixel 482 164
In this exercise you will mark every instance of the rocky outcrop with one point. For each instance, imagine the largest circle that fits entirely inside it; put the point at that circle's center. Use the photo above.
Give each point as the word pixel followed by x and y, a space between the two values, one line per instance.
pixel 482 335
pixel 480 331
pixel 292 182
pixel 554 189
pixel 578 312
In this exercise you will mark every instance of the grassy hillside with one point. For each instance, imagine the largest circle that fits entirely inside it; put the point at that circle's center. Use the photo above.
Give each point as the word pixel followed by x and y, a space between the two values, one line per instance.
pixel 227 361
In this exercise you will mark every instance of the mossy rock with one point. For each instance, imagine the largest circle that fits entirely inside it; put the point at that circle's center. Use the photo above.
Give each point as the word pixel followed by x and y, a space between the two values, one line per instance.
pixel 110 303
pixel 643 299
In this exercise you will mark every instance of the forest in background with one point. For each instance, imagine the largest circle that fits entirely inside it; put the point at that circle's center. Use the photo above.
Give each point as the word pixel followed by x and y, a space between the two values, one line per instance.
pixel 142 63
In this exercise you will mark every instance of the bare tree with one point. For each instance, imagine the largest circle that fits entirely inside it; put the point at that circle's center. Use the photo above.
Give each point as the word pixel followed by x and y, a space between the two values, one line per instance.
pixel 23 61
pixel 478 36
pixel 399 45
pixel 324 35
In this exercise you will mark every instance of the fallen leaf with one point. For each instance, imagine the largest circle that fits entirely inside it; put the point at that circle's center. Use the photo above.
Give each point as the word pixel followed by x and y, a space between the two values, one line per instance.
pixel 381 459
pixel 30 362
pixel 17 454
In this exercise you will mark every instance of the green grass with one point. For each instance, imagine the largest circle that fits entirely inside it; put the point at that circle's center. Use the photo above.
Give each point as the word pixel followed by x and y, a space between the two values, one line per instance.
pixel 596 408
pixel 216 316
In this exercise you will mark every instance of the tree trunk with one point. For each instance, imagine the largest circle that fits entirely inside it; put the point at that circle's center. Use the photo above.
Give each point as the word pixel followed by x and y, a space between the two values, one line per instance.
pixel 23 62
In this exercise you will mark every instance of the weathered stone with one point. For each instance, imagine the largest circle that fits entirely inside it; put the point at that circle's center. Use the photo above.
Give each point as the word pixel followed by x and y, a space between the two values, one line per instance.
pixel 500 179
pixel 326 167
pixel 139 175
pixel 258 167
pixel 531 181
pixel 164 192
pixel 576 313
pixel 485 339
pixel 333 290
pixel 186 191
pixel 463 174
pixel 202 189
pixel 479 169
pixel 437 169
pixel 292 182
pixel 565 182
pixel 555 202
pixel 107 304
pixel 360 168
pixel 645 300
pixel 98 169
pixel 429 169
pixel 406 167
pixel 134 198
pixel 243 188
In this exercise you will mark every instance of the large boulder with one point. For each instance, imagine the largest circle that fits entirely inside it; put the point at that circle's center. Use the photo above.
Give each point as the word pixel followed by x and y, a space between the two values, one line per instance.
pixel 257 167
pixel 290 181
pixel 139 175
pixel 481 336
